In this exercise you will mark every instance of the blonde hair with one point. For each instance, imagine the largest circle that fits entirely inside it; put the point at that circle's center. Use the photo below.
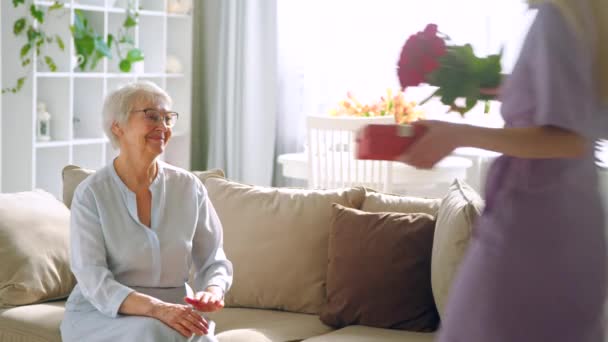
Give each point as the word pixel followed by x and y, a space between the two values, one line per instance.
pixel 589 19
pixel 118 104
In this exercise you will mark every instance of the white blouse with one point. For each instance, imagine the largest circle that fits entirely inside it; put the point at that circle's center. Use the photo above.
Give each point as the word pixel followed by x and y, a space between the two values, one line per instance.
pixel 113 253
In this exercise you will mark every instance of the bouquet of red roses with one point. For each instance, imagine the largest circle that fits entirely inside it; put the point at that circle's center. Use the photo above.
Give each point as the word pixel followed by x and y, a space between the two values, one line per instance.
pixel 455 70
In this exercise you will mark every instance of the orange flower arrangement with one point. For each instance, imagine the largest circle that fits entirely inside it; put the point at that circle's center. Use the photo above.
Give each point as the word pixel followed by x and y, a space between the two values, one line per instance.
pixel 391 104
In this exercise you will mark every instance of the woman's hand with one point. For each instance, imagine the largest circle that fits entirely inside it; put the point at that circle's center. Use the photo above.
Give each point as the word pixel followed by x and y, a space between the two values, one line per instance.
pixel 182 318
pixel 439 139
pixel 212 299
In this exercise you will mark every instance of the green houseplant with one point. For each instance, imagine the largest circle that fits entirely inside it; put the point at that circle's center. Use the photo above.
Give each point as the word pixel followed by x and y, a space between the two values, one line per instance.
pixel 36 39
pixel 92 46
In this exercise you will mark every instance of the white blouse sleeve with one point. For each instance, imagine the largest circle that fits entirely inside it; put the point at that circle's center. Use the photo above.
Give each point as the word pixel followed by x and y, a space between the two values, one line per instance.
pixel 212 266
pixel 88 257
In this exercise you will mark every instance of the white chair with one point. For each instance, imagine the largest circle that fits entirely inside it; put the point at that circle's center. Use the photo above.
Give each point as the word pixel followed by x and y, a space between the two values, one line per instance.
pixel 331 154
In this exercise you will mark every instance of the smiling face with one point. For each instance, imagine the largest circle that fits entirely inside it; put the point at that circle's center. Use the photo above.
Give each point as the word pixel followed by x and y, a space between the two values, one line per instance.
pixel 140 135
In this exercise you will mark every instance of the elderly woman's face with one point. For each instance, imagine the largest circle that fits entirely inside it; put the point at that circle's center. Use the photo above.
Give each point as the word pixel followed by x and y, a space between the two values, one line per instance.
pixel 146 131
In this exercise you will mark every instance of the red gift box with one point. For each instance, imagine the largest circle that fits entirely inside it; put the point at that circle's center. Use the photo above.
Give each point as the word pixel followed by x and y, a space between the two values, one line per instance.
pixel 385 142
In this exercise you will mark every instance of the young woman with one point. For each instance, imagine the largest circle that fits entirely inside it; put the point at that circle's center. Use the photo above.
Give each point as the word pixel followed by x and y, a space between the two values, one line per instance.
pixel 536 268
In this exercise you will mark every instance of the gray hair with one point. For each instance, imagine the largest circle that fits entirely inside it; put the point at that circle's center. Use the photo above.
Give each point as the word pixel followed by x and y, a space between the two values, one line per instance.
pixel 118 104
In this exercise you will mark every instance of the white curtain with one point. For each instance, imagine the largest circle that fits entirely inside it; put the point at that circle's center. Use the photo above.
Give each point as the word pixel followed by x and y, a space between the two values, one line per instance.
pixel 240 86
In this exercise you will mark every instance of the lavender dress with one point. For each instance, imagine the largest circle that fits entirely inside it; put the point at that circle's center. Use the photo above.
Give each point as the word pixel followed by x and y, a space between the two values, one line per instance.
pixel 536 267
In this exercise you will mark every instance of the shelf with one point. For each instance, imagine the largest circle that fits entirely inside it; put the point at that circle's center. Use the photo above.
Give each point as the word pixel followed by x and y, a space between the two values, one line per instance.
pixel 92 141
pixel 49 74
pixel 91 8
pixel 74 98
pixel 52 143
pixel 74 142
pixel 151 13
pixel 177 15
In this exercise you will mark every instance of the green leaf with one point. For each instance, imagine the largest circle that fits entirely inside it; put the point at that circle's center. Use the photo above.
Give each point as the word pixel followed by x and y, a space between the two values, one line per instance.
pixel 125 65
pixel 60 42
pixel 55 6
pixel 32 34
pixel 80 23
pixel 129 22
pixel 18 2
pixel 19 26
pixel 24 50
pixel 86 45
pixel 102 47
pixel 20 82
pixel 51 63
pixel 26 62
pixel 37 14
pixel 109 40
pixel 135 55
pixel 95 58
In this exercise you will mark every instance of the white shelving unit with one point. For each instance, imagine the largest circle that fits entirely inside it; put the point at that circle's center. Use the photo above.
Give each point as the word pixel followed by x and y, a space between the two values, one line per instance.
pixel 74 98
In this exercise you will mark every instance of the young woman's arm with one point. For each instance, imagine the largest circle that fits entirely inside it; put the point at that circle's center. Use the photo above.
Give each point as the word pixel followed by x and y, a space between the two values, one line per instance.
pixel 526 142
pixel 441 138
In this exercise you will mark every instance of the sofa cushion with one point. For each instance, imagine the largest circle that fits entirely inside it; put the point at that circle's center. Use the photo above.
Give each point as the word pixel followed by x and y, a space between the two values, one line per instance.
pixel 357 333
pixel 72 176
pixel 458 211
pixel 237 324
pixel 34 240
pixel 32 323
pixel 379 270
pixel 276 239
pixel 378 202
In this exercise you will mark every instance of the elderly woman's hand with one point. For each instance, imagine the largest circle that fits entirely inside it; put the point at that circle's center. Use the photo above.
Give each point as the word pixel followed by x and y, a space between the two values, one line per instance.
pixel 207 301
pixel 181 318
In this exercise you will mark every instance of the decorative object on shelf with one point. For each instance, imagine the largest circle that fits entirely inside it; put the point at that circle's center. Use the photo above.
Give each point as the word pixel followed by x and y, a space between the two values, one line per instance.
pixel 37 38
pixel 390 104
pixel 75 61
pixel 43 123
pixel 76 126
pixel 179 6
pixel 174 65
pixel 455 70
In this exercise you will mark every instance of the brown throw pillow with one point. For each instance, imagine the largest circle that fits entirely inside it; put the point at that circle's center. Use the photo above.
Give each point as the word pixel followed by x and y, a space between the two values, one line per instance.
pixel 379 271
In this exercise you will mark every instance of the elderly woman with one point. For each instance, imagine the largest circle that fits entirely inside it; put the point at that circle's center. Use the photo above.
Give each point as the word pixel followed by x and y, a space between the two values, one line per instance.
pixel 137 226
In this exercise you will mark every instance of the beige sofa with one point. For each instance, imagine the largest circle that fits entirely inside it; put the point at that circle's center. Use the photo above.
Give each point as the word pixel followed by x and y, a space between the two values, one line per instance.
pixel 278 241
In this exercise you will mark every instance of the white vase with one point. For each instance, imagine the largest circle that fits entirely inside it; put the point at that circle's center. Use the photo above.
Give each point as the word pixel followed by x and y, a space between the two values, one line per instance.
pixel 43 123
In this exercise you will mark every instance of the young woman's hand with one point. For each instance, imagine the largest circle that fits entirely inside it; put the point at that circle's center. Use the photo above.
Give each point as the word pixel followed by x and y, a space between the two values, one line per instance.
pixel 439 139
pixel 182 318
pixel 212 299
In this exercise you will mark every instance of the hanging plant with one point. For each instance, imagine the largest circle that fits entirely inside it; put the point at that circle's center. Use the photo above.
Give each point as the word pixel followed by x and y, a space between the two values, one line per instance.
pixel 37 39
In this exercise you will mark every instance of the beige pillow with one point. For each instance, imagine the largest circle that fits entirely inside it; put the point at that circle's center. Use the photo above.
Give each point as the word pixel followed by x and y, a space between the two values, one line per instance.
pixel 34 249
pixel 457 214
pixel 376 202
pixel 277 240
pixel 72 176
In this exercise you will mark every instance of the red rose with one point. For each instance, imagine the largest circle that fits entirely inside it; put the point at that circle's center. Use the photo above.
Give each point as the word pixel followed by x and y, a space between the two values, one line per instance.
pixel 419 56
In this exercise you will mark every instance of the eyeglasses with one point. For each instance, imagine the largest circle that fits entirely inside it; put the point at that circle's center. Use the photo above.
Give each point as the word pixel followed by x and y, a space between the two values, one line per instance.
pixel 155 116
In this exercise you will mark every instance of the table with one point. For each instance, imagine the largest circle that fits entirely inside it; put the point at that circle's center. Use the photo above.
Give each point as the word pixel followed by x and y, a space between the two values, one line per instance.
pixel 295 165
